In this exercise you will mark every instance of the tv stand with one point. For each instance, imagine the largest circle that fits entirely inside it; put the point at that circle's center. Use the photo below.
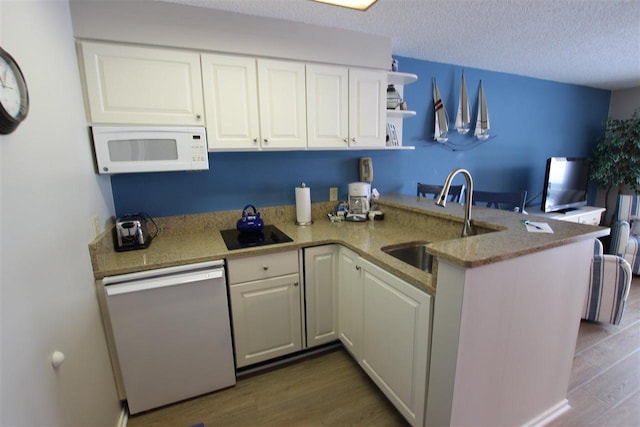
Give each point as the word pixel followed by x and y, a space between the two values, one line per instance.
pixel 564 211
pixel 590 215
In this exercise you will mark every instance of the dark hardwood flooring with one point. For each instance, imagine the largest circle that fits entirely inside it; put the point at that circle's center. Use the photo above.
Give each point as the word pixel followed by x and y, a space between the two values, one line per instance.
pixel 331 390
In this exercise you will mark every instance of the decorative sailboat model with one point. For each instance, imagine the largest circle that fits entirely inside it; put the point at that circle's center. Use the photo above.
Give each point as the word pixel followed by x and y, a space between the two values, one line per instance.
pixel 482 121
pixel 463 121
pixel 441 117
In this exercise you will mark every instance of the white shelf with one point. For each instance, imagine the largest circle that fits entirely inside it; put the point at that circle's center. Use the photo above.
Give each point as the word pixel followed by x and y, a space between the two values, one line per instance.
pixel 400 147
pixel 396 117
pixel 401 113
pixel 397 78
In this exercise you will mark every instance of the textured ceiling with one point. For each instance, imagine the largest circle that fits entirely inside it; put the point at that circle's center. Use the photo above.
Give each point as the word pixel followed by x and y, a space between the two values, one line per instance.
pixel 592 43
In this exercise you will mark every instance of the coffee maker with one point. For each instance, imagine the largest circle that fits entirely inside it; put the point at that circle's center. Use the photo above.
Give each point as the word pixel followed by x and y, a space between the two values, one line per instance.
pixel 359 201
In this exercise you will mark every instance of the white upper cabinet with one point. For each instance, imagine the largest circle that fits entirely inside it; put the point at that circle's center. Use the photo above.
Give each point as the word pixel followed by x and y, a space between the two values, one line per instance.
pixel 282 100
pixel 248 103
pixel 141 85
pixel 345 107
pixel 327 106
pixel 231 102
pixel 367 108
pixel 254 104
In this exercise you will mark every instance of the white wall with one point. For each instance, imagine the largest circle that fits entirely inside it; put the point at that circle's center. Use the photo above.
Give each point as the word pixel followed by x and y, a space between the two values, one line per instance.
pixel 48 194
pixel 215 30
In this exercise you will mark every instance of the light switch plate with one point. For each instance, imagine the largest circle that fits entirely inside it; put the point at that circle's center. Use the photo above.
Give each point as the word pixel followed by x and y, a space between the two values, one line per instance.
pixel 333 194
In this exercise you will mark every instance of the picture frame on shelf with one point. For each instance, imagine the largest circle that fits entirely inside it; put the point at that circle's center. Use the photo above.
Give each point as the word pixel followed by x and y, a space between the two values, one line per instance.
pixel 392 136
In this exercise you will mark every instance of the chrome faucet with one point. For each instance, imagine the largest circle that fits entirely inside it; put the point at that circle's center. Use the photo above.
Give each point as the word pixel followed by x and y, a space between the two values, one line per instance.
pixel 468 194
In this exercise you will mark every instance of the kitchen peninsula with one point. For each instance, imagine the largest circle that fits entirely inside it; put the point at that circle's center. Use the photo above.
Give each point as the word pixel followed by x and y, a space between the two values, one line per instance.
pixel 505 303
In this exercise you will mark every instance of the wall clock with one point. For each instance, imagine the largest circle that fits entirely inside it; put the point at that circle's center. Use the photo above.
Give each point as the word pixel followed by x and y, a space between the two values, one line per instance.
pixel 14 96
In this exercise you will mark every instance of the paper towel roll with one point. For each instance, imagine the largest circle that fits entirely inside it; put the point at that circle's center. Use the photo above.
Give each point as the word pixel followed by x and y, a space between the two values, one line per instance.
pixel 303 205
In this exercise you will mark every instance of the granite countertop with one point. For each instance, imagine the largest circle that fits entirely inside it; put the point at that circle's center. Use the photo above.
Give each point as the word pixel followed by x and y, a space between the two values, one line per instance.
pixel 196 238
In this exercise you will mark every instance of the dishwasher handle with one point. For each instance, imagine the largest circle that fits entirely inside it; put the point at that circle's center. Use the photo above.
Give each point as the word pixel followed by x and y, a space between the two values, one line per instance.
pixel 164 281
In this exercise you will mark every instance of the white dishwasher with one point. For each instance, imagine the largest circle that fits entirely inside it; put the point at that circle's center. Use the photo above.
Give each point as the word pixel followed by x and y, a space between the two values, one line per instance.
pixel 171 331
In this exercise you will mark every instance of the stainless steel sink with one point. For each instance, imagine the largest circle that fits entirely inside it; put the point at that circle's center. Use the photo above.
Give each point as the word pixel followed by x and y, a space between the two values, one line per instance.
pixel 414 254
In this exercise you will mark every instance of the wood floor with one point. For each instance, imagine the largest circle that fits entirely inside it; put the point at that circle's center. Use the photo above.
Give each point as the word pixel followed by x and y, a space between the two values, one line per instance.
pixel 331 390
pixel 604 389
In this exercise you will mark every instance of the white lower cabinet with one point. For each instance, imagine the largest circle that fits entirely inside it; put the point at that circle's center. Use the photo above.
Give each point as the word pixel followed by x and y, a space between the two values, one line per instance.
pixel 395 339
pixel 321 294
pixel 383 321
pixel 349 302
pixel 265 305
pixel 385 324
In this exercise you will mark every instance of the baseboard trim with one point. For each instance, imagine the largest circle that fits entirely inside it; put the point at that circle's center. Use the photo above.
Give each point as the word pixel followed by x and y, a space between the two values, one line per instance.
pixel 550 414
pixel 284 360
pixel 124 417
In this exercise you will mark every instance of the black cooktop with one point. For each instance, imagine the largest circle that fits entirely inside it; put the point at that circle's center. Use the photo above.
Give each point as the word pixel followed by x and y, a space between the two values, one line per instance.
pixel 270 235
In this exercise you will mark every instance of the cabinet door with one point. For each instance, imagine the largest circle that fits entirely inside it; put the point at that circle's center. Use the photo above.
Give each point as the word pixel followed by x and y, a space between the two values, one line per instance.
pixel 367 108
pixel 321 294
pixel 349 302
pixel 396 339
pixel 282 99
pixel 327 106
pixel 266 319
pixel 231 102
pixel 140 85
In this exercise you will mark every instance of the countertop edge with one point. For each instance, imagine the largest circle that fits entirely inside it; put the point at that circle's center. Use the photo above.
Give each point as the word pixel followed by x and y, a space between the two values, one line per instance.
pixel 503 238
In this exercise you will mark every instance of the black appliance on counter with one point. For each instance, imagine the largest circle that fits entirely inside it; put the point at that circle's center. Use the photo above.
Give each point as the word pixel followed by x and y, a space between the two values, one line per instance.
pixel 132 232
pixel 269 235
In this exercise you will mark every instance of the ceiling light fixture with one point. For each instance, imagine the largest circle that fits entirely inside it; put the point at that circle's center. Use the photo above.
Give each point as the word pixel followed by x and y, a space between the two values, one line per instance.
pixel 360 5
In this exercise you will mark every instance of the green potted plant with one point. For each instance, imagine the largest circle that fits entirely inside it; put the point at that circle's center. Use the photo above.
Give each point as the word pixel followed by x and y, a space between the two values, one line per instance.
pixel 616 157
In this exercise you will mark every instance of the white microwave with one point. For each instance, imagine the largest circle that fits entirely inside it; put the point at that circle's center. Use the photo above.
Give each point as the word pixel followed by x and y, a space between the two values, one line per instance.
pixel 150 149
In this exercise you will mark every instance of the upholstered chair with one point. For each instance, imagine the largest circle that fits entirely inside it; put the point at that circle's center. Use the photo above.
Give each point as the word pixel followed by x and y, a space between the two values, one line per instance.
pixel 625 231
pixel 609 285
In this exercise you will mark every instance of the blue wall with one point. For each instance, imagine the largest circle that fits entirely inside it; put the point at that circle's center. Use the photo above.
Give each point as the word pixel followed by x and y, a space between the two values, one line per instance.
pixel 531 119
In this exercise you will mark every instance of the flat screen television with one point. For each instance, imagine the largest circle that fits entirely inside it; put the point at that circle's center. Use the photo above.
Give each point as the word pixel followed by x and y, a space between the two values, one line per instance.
pixel 565 184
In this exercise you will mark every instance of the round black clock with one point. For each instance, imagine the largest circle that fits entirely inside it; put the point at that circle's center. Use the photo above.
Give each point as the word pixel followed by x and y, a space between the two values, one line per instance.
pixel 14 96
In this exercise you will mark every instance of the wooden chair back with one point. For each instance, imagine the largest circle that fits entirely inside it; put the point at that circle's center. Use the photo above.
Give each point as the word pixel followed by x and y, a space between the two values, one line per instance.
pixel 512 201
pixel 434 190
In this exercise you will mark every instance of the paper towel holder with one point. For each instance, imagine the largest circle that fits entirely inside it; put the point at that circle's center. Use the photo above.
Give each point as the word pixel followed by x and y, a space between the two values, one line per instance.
pixel 303 185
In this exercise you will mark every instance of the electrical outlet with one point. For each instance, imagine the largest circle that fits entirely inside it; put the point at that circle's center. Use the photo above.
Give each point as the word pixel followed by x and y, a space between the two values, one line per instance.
pixel 333 194
pixel 95 224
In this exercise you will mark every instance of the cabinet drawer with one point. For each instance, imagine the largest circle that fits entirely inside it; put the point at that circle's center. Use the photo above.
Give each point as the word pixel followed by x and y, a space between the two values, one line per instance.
pixel 590 219
pixel 262 266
